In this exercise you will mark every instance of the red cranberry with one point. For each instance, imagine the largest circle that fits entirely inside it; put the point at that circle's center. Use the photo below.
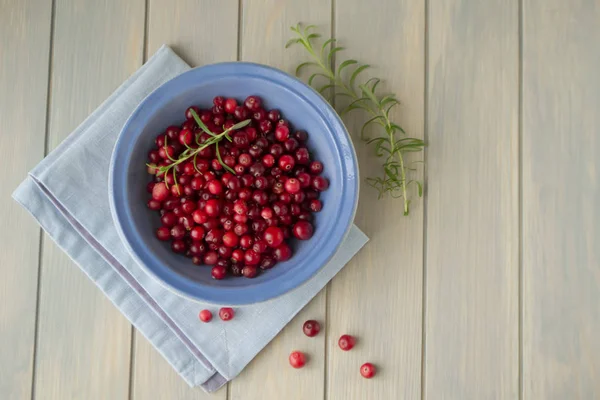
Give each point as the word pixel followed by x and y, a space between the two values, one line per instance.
pixel 154 205
pixel 237 256
pixel 214 236
pixel 205 316
pixel 266 213
pixel 277 187
pixel 172 132
pixel 230 239
pixel 265 126
pixel 255 151
pixel 163 233
pixel 160 192
pixel 268 160
pixel 292 185
pixel 178 246
pixel 298 197
pixel 169 219
pixel 246 242
pixel 259 246
pixel 217 110
pixel 286 162
pixel 197 183
pixel 230 105
pixel 253 103
pixel 219 101
pixel 286 220
pixel 267 262
pixel 240 229
pixel 319 183
pixel 211 257
pixel 257 169
pixel 251 258
pixel 160 141
pixel 226 313
pixel 259 115
pixel 368 370
pixel 273 115
pixel 283 252
pixel 186 137
pixel 218 272
pixel 240 139
pixel 213 207
pixel 303 230
pixel 301 136
pixel 260 197
pixel 273 236
pixel 297 359
pixel 215 187
pixel 346 342
pixel 305 179
pixel 258 226
pixel 240 113
pixel 223 261
pixel 197 233
pixel 276 150
pixel 239 169
pixel 199 216
pixel 311 328
pixel 316 167
pixel 236 270
pixel 280 209
pixel 302 156
pixel 250 271
pixel 245 159
pixel 197 248
pixel 283 122
pixel 315 205
pixel 202 165
pixel 178 232
pixel 262 142
pixel 282 133
pixel 290 145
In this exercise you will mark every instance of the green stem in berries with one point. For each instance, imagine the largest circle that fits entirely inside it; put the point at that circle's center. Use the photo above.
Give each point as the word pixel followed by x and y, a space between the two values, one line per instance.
pixel 192 153
pixel 363 96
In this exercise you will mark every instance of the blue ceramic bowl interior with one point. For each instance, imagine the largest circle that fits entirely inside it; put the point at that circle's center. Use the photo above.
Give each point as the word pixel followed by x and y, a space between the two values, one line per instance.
pixel 328 142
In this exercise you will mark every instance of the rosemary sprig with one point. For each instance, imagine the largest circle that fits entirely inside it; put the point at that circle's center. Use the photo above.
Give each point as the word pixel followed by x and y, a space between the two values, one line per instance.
pixel 191 152
pixel 363 96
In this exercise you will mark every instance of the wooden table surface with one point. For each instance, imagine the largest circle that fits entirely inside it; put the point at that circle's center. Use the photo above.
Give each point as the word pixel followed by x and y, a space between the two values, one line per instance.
pixel 490 289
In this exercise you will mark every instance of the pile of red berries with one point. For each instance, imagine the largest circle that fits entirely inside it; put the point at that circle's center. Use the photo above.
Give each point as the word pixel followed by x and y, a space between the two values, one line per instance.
pixel 234 205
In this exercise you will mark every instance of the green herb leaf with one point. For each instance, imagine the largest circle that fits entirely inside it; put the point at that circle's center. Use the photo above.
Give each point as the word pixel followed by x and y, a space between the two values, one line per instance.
pixel 363 96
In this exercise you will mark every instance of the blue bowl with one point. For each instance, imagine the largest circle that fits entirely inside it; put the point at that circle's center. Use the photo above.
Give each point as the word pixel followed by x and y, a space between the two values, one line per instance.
pixel 304 108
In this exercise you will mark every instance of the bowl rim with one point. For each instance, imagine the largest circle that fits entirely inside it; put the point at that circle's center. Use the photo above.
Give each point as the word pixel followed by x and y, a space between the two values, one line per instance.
pixel 256 293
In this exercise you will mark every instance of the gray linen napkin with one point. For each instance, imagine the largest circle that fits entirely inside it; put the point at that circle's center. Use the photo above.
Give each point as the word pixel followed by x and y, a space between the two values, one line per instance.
pixel 75 213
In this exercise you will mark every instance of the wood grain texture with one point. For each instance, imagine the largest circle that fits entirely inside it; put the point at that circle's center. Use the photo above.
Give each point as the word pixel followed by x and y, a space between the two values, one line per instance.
pixel 23 86
pixel 561 197
pixel 265 30
pixel 198 35
pixel 83 348
pixel 377 297
pixel 472 251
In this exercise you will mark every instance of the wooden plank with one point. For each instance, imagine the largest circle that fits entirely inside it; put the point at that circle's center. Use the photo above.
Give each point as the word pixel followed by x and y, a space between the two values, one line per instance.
pixel 202 33
pixel 472 250
pixel 84 342
pixel 265 30
pixel 24 58
pixel 378 296
pixel 561 193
